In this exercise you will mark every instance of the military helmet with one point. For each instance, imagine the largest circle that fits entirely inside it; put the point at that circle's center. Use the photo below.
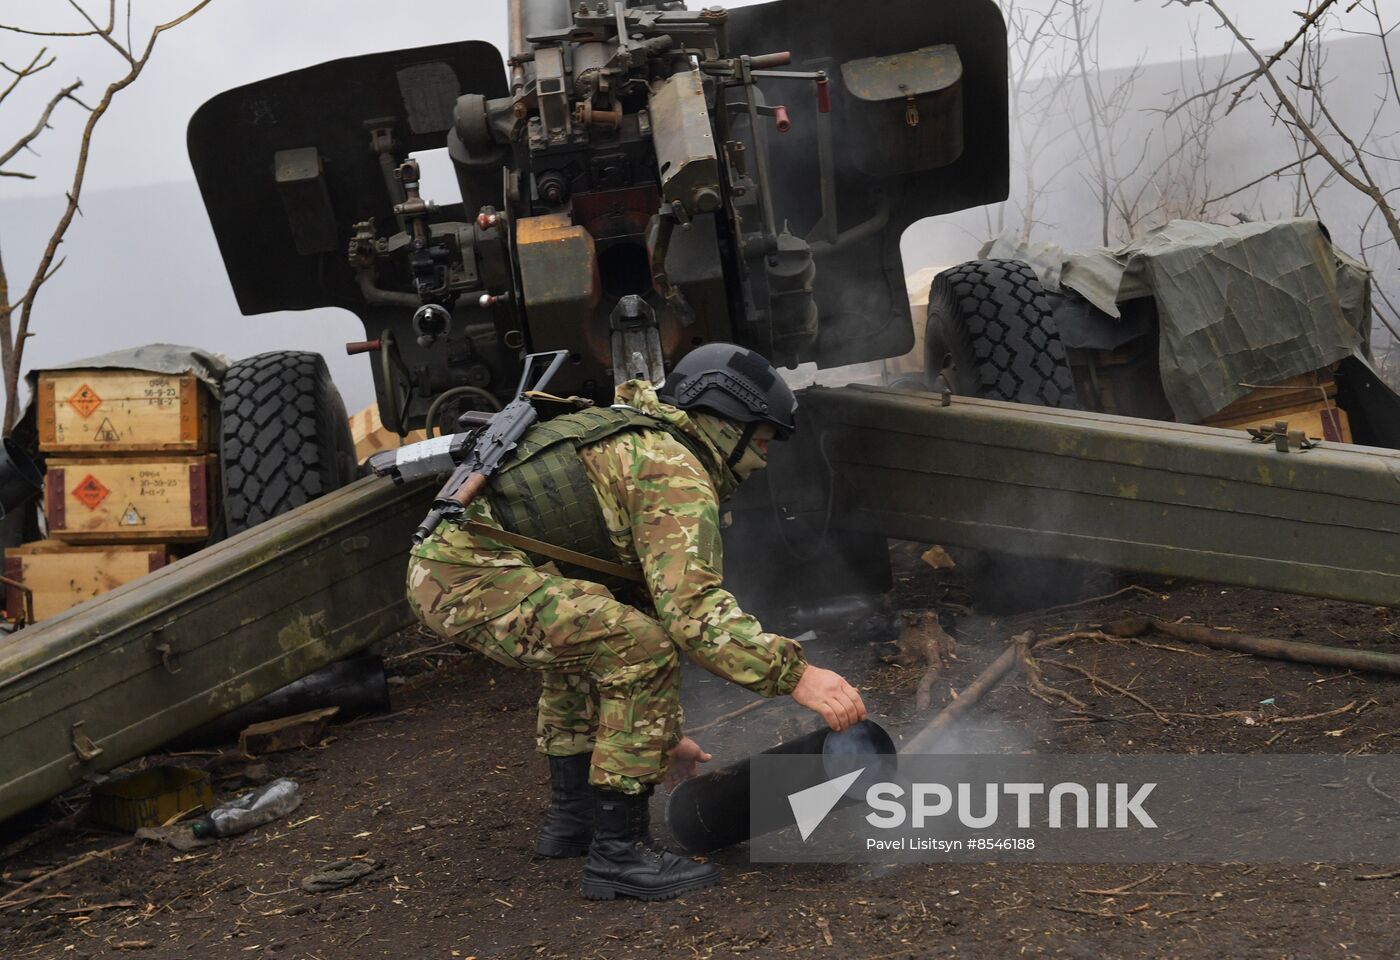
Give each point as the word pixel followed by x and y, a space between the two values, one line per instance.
pixel 734 382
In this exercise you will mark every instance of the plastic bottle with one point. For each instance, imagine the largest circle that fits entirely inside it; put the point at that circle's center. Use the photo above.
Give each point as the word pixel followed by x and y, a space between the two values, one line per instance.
pixel 267 803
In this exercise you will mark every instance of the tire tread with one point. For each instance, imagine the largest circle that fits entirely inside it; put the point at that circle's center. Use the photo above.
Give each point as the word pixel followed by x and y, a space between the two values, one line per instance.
pixel 283 436
pixel 1000 325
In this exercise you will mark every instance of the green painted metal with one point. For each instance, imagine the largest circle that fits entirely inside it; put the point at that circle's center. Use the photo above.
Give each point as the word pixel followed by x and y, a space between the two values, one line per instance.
pixel 114 678
pixel 1139 495
pixel 121 674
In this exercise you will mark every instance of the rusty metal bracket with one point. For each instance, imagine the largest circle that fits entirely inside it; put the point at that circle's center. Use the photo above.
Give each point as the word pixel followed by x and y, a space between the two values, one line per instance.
pixel 162 647
pixel 1283 439
pixel 165 657
pixel 83 746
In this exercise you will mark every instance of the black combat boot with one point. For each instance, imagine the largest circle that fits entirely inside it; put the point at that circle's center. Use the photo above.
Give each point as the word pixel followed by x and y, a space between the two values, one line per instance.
pixel 568 823
pixel 623 860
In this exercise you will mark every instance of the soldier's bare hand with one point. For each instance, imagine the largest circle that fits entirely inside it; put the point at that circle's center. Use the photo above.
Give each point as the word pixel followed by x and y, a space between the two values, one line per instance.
pixel 684 756
pixel 828 693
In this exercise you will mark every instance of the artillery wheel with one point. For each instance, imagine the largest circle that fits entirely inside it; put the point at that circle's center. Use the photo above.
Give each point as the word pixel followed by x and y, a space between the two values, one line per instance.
pixel 284 438
pixel 990 328
pixel 991 334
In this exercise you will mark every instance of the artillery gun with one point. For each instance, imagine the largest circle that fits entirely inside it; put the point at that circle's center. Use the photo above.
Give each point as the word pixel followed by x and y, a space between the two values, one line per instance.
pixel 637 179
pixel 634 180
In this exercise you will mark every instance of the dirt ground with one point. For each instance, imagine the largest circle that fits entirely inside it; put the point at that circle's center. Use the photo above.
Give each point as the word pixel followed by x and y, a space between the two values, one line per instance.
pixel 443 794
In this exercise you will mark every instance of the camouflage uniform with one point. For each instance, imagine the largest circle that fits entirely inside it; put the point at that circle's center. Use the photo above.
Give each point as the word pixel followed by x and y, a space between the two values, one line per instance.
pixel 611 673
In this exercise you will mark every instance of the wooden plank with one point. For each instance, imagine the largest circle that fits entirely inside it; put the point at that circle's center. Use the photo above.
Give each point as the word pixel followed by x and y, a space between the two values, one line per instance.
pixel 1321 421
pixel 123 411
pixel 63 576
pixel 131 500
pixel 1316 389
pixel 286 733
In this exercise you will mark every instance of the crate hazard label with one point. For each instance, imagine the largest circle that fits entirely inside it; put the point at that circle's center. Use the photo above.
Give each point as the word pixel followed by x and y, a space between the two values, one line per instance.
pixel 106 432
pixel 85 400
pixel 130 517
pixel 90 492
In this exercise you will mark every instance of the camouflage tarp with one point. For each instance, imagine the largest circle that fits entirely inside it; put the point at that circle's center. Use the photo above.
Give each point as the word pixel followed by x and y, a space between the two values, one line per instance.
pixel 1237 306
pixel 169 358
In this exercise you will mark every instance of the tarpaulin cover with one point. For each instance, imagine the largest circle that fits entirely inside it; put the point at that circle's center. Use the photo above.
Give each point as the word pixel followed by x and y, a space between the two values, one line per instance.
pixel 1238 306
pixel 169 358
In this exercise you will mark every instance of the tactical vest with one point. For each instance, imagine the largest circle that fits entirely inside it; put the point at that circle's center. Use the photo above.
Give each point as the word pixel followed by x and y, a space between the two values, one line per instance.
pixel 544 491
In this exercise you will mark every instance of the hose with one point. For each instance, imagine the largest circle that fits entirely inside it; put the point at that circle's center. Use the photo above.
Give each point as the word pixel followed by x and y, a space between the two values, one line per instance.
pixel 396 407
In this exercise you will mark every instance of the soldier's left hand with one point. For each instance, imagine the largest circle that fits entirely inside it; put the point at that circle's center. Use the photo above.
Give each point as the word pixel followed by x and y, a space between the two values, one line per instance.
pixel 684 756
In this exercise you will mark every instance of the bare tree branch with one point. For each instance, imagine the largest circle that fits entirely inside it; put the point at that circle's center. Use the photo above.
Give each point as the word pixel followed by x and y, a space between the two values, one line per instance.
pixel 8 28
pixel 1310 20
pixel 1272 174
pixel 13 337
pixel 1095 111
pixel 105 32
pixel 1364 183
pixel 33 67
pixel 28 138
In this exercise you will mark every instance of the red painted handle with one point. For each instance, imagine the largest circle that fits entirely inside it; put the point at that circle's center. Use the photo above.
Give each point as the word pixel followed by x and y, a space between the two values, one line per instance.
pixel 823 95
pixel 362 346
pixel 780 117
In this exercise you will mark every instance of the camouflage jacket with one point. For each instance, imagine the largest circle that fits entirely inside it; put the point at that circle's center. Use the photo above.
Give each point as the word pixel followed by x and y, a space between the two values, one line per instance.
pixel 661 505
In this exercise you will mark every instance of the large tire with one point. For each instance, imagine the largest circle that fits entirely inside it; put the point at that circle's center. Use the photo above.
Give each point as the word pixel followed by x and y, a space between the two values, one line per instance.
pixel 994 322
pixel 284 438
pixel 991 334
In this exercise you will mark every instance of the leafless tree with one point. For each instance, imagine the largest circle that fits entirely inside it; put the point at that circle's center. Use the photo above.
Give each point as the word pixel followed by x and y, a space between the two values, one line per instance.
pixel 116 33
pixel 1294 82
pixel 1037 77
pixel 1140 163
pixel 1147 164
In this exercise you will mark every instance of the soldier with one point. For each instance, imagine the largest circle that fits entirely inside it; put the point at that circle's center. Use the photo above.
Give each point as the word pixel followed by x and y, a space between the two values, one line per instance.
pixel 636 486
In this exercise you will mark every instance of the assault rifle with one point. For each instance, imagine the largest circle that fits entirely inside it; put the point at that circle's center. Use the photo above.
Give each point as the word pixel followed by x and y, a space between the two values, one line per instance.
pixel 473 455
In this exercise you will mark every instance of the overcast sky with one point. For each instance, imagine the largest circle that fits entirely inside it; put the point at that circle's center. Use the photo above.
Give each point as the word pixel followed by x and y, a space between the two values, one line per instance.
pixel 232 42
pixel 142 263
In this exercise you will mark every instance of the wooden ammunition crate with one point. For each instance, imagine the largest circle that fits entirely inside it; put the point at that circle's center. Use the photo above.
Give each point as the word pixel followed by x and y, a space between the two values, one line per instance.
pixel 131 499
pixel 371 436
pixel 1307 403
pixel 63 576
pixel 123 411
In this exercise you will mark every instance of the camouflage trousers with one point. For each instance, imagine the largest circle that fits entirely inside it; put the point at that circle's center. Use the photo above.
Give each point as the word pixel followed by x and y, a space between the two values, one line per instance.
pixel 611 675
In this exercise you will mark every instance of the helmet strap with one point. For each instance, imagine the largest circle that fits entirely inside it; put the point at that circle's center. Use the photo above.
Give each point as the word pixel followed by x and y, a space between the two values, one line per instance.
pixel 737 453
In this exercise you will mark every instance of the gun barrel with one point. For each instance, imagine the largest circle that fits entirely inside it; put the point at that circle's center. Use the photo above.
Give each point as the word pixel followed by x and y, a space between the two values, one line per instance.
pixel 430 523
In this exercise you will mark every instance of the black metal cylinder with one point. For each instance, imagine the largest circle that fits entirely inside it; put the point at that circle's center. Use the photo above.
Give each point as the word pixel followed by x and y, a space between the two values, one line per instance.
pixel 713 811
pixel 357 686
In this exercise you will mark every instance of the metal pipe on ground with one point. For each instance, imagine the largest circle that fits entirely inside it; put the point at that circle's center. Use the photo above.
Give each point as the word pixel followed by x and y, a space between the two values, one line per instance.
pixel 357 686
pixel 714 811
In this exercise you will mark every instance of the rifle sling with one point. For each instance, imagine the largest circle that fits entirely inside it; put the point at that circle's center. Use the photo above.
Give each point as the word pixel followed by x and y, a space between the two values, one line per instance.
pixel 531 545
